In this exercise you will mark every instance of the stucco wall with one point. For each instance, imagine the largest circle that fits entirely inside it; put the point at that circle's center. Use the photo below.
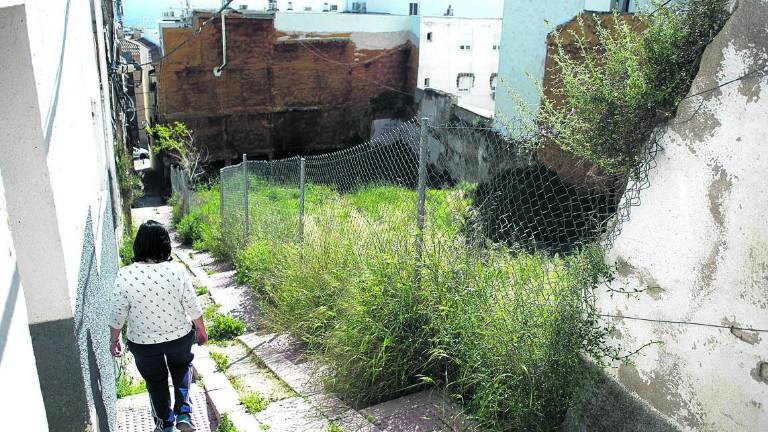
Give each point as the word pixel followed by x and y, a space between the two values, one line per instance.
pixel 698 248
pixel 57 162
pixel 17 359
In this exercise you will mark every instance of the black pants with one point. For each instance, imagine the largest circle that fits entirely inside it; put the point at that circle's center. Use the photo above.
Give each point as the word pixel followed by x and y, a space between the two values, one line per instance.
pixel 155 362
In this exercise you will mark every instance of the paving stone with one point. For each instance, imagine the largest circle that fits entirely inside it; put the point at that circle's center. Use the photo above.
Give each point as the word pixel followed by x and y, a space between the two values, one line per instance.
pixel 134 413
pixel 292 415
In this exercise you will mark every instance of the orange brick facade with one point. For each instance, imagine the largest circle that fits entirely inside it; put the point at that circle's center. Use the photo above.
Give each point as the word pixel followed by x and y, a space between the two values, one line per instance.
pixel 279 95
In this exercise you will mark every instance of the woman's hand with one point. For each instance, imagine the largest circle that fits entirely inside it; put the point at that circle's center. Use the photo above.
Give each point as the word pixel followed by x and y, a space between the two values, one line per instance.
pixel 201 335
pixel 115 348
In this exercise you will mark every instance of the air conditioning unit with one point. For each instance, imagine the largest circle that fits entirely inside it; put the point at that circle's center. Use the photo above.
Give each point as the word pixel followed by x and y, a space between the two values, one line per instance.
pixel 359 7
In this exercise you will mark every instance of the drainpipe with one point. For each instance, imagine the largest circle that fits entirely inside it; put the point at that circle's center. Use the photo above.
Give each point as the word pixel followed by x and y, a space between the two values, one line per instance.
pixel 217 70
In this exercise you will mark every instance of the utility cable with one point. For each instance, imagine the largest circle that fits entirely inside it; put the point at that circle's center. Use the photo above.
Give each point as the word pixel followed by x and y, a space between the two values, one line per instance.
pixel 347 65
pixel 195 34
pixel 691 323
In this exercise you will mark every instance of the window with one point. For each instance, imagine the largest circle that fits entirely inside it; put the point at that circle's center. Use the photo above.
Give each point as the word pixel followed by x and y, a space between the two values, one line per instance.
pixel 334 8
pixel 465 42
pixel 426 82
pixel 621 6
pixel 496 47
pixel 429 37
pixel 307 8
pixel 413 9
pixel 494 78
pixel 465 81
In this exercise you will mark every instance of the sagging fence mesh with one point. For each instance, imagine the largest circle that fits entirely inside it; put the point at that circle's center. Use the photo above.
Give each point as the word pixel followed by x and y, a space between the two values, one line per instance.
pixel 446 255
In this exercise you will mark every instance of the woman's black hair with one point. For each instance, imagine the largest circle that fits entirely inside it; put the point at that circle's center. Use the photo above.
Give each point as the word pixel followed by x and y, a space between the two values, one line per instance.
pixel 152 243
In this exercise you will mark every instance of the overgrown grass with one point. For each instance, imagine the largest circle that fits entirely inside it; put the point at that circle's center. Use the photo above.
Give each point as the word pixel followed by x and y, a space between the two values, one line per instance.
pixel 501 329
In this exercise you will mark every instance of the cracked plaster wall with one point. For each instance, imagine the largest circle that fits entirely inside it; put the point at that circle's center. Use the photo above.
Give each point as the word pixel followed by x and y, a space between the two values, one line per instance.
pixel 698 247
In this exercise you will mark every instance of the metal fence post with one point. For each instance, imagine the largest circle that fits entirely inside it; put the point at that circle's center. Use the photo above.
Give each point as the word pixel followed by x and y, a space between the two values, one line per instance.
pixel 422 191
pixel 302 167
pixel 221 200
pixel 245 197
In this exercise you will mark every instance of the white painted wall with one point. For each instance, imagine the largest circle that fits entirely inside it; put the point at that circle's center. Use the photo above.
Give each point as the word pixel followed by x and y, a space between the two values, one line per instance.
pixel 437 8
pixel 18 371
pixel 698 246
pixel 57 140
pixel 442 60
pixel 340 23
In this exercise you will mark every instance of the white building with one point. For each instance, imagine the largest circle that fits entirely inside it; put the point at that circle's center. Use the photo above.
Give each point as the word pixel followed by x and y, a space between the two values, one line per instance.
pixel 461 56
pixel 59 216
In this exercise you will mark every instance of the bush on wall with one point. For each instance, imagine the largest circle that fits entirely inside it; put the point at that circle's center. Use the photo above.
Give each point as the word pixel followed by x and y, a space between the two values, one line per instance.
pixel 609 98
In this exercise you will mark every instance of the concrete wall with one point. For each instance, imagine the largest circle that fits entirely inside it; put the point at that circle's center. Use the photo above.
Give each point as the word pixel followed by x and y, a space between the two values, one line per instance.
pixel 464 154
pixel 17 358
pixel 441 60
pixel 58 176
pixel 698 248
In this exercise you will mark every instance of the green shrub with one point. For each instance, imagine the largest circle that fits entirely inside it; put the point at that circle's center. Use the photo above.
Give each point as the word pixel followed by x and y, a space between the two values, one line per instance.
pixel 226 425
pixel 225 327
pixel 254 402
pixel 201 290
pixel 221 360
pixel 192 230
pixel 333 427
pixel 126 248
pixel 616 94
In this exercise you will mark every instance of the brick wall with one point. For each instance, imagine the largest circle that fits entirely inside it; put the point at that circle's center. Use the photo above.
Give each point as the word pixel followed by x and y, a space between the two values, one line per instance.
pixel 279 95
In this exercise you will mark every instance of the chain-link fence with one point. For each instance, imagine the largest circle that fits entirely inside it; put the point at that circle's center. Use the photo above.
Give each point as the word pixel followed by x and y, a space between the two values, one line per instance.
pixel 183 191
pixel 448 253
pixel 530 198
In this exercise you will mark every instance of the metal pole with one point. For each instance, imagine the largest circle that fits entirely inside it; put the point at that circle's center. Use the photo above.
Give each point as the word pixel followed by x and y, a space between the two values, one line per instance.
pixel 245 197
pixel 422 189
pixel 221 200
pixel 302 167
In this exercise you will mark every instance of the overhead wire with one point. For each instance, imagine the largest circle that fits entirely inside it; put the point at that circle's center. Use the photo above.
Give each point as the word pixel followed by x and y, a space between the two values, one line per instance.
pixel 191 37
pixel 320 55
pixel 679 322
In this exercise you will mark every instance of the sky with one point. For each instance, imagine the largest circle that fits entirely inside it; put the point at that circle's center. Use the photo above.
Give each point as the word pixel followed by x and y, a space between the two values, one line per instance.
pixel 145 13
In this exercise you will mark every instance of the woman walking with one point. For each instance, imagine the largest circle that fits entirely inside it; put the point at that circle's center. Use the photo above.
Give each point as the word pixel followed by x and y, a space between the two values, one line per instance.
pixel 164 318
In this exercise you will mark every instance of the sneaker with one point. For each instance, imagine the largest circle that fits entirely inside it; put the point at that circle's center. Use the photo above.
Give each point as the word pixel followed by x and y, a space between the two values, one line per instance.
pixel 184 423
